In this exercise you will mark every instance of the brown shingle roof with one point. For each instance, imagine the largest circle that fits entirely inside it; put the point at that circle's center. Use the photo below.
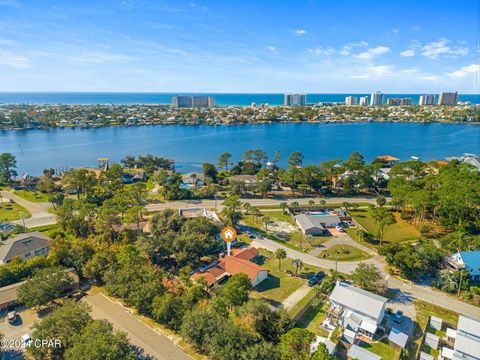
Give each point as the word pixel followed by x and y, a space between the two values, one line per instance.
pixel 22 244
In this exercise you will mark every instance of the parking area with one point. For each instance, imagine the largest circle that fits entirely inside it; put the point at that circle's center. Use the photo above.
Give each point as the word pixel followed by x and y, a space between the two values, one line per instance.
pixel 334 232
pixel 14 331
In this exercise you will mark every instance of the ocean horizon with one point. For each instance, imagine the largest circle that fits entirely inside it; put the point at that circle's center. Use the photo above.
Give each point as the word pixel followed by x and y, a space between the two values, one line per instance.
pixel 165 98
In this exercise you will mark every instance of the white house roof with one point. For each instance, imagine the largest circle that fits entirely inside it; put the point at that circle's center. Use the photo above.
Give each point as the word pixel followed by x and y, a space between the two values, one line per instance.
pixel 467 344
pixel 447 353
pixel 470 326
pixel 358 353
pixel 425 356
pixel 431 340
pixel 359 300
pixel 451 333
pixel 369 326
pixel 398 337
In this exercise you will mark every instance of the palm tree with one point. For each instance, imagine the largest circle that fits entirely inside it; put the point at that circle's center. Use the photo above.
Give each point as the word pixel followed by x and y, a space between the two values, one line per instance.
pixel 383 217
pixel 266 222
pixel 256 213
pixel 283 205
pixel 323 201
pixel 247 206
pixel 362 235
pixel 309 238
pixel 280 254
pixel 298 265
pixel 295 205
pixel 311 202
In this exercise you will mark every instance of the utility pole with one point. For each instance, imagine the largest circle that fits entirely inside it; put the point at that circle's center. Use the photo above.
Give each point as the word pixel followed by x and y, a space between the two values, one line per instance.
pixel 460 283
pixel 336 260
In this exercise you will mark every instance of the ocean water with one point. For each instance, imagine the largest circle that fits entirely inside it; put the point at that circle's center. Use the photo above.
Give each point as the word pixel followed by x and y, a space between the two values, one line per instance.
pixel 166 98
pixel 189 146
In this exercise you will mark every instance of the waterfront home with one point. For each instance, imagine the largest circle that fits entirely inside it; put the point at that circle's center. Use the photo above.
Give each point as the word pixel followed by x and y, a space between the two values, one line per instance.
pixel 247 180
pixel 468 260
pixel 316 224
pixel 193 179
pixel 24 246
pixel 356 310
pixel 130 176
pixel 239 261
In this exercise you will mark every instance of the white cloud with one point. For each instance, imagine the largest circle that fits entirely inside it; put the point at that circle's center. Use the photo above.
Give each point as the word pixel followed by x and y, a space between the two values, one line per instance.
pixel 271 48
pixel 322 51
pixel 465 71
pixel 101 57
pixel 439 48
pixel 407 53
pixel 429 77
pixel 348 47
pixel 299 32
pixel 14 61
pixel 409 71
pixel 372 53
pixel 375 72
pixel 395 31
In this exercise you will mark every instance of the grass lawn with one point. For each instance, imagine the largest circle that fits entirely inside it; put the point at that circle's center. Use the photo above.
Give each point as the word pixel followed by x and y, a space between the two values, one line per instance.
pixel 401 231
pixel 424 310
pixel 292 240
pixel 11 211
pixel 278 215
pixel 345 253
pixel 313 318
pixel 31 196
pixel 279 284
pixel 382 348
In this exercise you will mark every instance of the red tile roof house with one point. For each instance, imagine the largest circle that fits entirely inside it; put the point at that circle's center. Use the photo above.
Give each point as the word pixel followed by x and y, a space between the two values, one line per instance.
pixel 240 261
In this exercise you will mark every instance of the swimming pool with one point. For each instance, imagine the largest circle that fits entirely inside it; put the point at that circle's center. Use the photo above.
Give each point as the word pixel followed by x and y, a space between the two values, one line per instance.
pixel 318 213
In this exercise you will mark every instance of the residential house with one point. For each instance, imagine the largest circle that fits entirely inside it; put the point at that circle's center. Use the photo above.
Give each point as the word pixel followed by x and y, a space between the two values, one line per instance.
pixel 24 246
pixel 8 295
pixel 466 341
pixel 468 260
pixel 358 353
pixel 239 261
pixel 194 179
pixel 313 224
pixel 355 309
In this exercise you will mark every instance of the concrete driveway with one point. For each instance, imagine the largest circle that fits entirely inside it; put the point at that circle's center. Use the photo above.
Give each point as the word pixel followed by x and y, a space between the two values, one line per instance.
pixel 14 332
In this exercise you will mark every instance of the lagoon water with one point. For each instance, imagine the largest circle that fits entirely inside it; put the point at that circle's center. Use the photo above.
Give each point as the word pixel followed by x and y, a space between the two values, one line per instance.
pixel 189 146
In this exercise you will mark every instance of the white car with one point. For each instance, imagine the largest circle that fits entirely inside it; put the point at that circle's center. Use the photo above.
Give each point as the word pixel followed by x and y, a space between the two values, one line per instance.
pixel 339 228
pixel 26 339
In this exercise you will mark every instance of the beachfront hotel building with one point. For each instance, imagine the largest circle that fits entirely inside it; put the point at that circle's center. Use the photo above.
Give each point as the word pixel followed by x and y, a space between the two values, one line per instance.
pixel 295 99
pixel 447 98
pixel 351 100
pixel 426 100
pixel 377 99
pixel 193 101
pixel 363 100
pixel 399 101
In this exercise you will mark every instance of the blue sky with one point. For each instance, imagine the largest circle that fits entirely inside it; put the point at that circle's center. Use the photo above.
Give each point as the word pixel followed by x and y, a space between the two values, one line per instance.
pixel 240 46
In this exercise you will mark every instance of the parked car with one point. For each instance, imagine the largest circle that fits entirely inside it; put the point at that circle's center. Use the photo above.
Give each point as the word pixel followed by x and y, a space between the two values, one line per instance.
pixel 26 339
pixel 312 281
pixel 339 228
pixel 316 278
pixel 398 317
pixel 12 317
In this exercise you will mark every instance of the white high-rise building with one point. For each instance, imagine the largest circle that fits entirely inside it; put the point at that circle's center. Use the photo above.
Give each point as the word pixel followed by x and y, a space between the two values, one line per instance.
pixel 426 100
pixel 295 99
pixel 377 99
pixel 446 98
pixel 363 100
pixel 351 100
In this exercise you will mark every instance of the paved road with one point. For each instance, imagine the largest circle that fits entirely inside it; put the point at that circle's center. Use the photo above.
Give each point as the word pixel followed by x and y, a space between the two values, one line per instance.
pixel 424 293
pixel 255 202
pixel 40 215
pixel 154 344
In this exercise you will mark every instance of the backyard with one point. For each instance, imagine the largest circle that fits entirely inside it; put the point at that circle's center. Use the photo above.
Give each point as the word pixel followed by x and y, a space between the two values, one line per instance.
pixel 313 318
pixel 344 253
pixel 281 283
pixel 401 231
